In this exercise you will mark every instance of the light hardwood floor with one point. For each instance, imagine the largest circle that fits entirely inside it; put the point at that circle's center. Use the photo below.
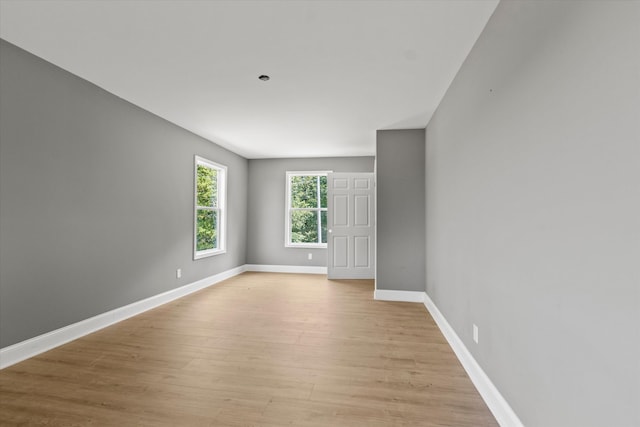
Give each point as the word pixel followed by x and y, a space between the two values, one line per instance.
pixel 259 349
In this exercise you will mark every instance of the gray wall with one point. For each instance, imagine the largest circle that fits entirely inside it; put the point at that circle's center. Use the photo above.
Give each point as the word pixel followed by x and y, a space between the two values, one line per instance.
pixel 400 198
pixel 96 199
pixel 267 188
pixel 533 219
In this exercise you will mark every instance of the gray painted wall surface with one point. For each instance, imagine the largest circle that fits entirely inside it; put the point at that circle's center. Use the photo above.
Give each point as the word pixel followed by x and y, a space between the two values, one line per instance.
pixel 96 199
pixel 400 198
pixel 267 188
pixel 533 219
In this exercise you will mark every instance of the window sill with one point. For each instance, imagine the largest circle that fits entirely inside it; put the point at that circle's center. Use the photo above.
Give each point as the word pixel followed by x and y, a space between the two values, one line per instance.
pixel 206 254
pixel 306 245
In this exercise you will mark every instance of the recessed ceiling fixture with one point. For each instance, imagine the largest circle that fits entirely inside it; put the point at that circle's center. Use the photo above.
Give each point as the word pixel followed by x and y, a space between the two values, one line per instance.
pixel 264 77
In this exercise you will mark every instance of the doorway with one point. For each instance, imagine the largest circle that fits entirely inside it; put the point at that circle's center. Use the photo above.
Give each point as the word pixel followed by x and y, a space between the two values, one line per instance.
pixel 351 225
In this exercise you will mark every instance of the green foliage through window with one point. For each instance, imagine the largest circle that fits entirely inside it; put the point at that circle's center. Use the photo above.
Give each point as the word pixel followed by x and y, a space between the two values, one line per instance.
pixel 207 230
pixel 308 209
pixel 304 226
pixel 209 196
pixel 207 186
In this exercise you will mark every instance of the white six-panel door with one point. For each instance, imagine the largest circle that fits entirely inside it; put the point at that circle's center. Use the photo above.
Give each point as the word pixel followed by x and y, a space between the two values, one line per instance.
pixel 350 220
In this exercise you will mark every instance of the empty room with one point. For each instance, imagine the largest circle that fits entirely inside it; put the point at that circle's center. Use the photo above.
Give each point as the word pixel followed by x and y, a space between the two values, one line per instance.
pixel 320 213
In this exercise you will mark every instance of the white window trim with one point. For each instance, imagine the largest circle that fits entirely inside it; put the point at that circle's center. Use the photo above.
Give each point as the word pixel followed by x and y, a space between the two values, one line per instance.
pixel 222 208
pixel 287 210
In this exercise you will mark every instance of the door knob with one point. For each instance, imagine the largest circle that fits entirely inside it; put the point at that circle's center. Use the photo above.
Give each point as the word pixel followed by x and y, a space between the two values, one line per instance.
pixel 330 231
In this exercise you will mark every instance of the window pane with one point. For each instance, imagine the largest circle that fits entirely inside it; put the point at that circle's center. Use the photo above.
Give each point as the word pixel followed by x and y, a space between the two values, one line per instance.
pixel 323 223
pixel 304 192
pixel 207 186
pixel 207 237
pixel 304 227
pixel 323 191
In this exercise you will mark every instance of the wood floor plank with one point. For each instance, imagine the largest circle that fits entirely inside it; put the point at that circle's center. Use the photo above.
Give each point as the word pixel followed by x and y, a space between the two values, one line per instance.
pixel 259 349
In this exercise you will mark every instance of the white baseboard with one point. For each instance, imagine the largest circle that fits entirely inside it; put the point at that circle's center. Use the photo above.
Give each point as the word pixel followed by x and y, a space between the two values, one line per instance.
pixel 286 269
pixel 498 406
pixel 23 350
pixel 402 296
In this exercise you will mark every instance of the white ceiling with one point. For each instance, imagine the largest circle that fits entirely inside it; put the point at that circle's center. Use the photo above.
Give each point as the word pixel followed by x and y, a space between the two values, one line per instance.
pixel 339 70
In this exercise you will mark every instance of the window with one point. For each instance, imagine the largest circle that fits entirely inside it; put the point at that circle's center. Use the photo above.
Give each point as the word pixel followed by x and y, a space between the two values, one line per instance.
pixel 210 209
pixel 306 213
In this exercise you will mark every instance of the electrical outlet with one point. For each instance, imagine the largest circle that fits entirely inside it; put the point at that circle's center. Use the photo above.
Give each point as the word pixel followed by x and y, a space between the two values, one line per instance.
pixel 475 333
pixel 310 255
pixel 178 273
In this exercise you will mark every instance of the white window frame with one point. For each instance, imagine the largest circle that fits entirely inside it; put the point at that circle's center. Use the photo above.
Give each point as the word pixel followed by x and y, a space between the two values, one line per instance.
pixel 288 209
pixel 221 208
